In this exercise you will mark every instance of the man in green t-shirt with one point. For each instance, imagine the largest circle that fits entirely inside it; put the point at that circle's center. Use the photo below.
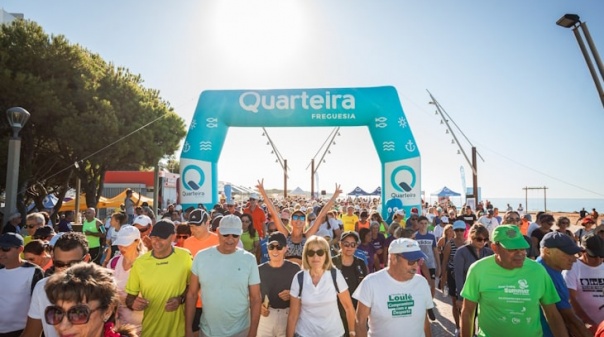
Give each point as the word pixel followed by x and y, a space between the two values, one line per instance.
pixel 508 289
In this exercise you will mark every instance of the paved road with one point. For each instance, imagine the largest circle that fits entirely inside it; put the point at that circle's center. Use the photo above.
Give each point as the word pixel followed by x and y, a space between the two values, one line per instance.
pixel 444 325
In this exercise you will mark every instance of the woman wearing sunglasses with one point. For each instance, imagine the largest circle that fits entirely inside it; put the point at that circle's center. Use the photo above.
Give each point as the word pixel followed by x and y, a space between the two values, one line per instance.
pixel 84 300
pixel 448 278
pixel 296 238
pixel 314 295
pixel 130 247
pixel 475 250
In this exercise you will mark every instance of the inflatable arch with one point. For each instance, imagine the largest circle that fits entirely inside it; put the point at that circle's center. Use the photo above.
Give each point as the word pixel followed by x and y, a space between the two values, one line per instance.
pixel 378 108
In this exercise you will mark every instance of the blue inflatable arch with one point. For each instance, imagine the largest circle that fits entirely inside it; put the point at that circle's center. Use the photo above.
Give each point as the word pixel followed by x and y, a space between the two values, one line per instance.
pixel 378 108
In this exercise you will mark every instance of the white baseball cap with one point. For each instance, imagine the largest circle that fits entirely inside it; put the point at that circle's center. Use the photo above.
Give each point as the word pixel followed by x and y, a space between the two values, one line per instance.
pixel 230 224
pixel 408 248
pixel 142 220
pixel 126 235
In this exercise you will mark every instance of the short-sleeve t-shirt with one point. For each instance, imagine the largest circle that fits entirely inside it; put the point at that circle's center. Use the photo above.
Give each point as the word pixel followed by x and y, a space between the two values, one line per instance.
pixel 224 281
pixel 588 284
pixel 562 290
pixel 319 315
pixel 158 280
pixel 275 280
pixel 509 299
pixel 348 221
pixel 427 243
pixel 395 305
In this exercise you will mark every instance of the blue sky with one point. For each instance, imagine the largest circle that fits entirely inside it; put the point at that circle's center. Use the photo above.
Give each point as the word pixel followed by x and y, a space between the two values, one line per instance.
pixel 514 81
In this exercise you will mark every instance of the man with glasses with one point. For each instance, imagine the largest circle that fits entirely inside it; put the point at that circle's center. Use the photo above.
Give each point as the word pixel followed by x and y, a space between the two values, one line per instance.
pixel 158 282
pixel 395 299
pixel 201 238
pixel 275 281
pixel 17 280
pixel 584 282
pixel 353 268
pixel 32 222
pixel 229 282
pixel 558 252
pixel 510 290
pixel 69 249
pixel 231 207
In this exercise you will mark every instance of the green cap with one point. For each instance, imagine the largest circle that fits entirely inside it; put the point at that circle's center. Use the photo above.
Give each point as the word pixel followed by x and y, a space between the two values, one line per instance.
pixel 509 237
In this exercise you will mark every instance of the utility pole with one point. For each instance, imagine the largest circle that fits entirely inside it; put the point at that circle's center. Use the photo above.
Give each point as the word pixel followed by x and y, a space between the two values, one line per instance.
pixel 445 119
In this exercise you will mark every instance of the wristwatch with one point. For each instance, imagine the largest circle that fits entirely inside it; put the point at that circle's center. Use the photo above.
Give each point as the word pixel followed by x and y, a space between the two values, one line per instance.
pixel 183 298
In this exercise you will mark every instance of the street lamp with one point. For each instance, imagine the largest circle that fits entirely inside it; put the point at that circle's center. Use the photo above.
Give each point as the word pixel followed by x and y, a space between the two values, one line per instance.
pixel 573 21
pixel 17 117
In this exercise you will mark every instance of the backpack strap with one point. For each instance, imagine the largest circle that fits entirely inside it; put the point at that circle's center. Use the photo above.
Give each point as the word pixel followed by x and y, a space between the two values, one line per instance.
pixel 300 277
pixel 333 277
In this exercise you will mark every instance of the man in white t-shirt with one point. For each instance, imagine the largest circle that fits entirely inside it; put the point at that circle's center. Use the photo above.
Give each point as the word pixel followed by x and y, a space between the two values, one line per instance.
pixel 395 299
pixel 489 221
pixel 69 249
pixel 584 282
pixel 17 280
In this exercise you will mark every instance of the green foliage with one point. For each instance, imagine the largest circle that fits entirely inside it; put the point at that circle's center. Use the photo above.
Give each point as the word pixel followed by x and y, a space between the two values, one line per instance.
pixel 81 107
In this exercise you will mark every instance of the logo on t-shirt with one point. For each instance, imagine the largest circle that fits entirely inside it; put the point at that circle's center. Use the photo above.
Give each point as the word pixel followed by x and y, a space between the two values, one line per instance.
pixel 595 285
pixel 401 304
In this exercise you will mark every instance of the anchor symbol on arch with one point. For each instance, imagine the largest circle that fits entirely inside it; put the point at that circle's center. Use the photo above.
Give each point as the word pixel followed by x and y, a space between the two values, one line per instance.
pixel 410 146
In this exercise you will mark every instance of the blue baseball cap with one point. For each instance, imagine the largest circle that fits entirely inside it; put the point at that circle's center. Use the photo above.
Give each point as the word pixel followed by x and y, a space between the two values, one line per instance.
pixel 561 241
pixel 11 240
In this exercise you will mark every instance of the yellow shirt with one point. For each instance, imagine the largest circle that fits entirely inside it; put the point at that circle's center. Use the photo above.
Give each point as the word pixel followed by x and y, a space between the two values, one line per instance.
pixel 348 221
pixel 158 280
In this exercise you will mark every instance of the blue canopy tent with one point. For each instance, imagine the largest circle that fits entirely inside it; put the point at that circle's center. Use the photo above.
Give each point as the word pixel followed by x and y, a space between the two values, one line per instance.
pixel 357 192
pixel 446 192
pixel 378 191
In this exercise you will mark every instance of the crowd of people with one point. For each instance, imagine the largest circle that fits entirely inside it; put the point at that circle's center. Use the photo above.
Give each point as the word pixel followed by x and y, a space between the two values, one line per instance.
pixel 300 268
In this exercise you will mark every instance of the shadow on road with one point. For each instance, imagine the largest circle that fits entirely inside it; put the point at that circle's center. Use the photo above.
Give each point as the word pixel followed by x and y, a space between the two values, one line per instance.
pixel 444 325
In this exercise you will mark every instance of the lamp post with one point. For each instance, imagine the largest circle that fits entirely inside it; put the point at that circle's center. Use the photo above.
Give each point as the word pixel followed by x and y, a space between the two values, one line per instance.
pixel 573 21
pixel 17 117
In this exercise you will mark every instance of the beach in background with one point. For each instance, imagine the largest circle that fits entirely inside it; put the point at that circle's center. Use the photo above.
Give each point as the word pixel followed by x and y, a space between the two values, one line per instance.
pixel 537 204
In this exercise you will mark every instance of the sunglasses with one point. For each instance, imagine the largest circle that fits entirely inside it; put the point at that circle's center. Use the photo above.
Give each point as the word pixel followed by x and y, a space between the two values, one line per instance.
pixel 77 315
pixel 481 239
pixel 273 247
pixel 409 262
pixel 349 244
pixel 29 226
pixel 233 235
pixel 299 217
pixel 459 230
pixel 319 252
pixel 6 249
pixel 61 264
pixel 182 236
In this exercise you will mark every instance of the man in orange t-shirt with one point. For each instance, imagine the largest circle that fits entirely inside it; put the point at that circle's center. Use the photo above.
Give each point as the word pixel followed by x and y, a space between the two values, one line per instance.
pixel 201 238
pixel 258 215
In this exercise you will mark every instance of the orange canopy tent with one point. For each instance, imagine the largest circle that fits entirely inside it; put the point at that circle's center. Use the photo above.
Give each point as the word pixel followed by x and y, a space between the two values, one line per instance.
pixel 116 201
pixel 70 205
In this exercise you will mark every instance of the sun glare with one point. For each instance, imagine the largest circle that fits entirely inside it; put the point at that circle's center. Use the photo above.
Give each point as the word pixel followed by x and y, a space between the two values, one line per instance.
pixel 259 33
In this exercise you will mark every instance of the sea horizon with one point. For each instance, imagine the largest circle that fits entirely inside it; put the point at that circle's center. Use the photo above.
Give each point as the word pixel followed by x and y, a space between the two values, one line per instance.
pixel 552 204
